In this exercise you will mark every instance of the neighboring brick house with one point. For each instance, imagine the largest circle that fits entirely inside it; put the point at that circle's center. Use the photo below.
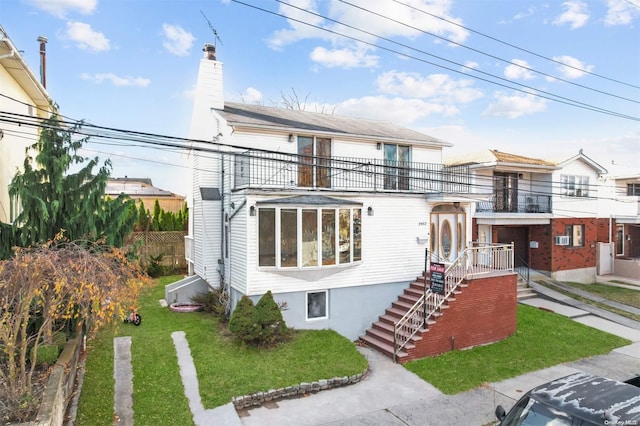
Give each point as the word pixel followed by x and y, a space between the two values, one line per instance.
pixel 141 189
pixel 558 214
pixel 24 95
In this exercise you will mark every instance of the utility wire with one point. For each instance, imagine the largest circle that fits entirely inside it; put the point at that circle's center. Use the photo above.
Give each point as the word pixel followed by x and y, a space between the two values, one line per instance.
pixel 514 46
pixel 346 167
pixel 475 50
pixel 532 91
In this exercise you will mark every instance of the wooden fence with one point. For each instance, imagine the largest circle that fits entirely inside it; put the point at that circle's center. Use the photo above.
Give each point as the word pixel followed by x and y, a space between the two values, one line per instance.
pixel 168 244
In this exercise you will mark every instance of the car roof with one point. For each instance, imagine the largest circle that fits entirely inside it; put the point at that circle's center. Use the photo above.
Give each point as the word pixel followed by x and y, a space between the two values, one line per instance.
pixel 591 398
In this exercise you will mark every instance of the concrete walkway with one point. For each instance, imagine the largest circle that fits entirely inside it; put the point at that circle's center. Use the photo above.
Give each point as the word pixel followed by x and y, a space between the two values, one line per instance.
pixel 391 395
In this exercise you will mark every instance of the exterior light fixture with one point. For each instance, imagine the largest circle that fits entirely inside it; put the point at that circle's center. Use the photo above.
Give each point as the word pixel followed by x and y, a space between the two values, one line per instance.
pixel 370 211
pixel 291 137
pixel 252 211
pixel 378 146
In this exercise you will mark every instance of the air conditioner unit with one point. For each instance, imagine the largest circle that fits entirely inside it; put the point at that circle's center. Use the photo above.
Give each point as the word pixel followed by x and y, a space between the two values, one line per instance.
pixel 562 240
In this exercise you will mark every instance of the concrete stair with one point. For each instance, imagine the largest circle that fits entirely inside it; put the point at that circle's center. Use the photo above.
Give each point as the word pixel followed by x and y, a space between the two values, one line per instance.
pixel 380 335
pixel 524 291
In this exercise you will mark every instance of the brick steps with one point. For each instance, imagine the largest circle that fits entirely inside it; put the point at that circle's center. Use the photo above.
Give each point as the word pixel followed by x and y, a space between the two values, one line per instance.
pixel 380 335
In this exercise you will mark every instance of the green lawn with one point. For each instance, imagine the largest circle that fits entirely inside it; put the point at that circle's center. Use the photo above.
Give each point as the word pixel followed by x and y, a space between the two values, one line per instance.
pixel 622 295
pixel 225 368
pixel 543 339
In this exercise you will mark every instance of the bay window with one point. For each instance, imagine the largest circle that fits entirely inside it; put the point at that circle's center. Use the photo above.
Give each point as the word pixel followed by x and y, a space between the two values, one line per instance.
pixel 303 237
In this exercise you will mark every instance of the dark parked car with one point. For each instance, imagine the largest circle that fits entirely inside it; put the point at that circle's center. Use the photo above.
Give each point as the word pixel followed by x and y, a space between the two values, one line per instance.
pixel 577 399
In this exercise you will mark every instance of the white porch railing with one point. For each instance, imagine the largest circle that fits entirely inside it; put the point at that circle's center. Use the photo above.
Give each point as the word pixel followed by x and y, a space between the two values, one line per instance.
pixel 188 248
pixel 474 261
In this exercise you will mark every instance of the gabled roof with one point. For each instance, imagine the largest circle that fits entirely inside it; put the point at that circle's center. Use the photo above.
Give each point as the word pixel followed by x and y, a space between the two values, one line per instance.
pixel 136 188
pixel 493 157
pixel 12 61
pixel 296 121
pixel 580 156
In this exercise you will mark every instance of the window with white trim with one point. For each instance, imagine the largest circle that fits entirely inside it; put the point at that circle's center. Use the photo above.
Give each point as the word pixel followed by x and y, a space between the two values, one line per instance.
pixel 633 189
pixel 302 237
pixel 317 305
pixel 574 186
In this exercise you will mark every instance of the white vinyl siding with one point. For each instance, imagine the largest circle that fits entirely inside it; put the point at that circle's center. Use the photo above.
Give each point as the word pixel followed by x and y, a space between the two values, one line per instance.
pixel 391 251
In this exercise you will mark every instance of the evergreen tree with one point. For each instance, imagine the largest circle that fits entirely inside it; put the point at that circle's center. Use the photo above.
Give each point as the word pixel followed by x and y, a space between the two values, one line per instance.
pixel 269 318
pixel 143 218
pixel 243 321
pixel 54 199
pixel 155 217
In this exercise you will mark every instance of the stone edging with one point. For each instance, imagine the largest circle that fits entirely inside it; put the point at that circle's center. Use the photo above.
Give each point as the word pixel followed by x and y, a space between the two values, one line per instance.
pixel 258 398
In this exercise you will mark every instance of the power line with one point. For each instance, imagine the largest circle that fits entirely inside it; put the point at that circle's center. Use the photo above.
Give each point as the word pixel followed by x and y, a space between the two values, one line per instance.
pixel 473 49
pixel 532 90
pixel 347 166
pixel 514 46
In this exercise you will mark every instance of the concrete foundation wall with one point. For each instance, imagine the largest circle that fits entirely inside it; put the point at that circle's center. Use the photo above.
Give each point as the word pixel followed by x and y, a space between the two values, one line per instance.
pixel 351 310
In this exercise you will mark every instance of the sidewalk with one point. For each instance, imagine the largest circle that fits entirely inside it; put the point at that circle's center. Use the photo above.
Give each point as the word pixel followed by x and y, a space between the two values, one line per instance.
pixel 377 401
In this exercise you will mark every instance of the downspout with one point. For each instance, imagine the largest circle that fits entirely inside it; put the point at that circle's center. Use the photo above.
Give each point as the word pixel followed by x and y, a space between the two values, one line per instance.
pixel 222 221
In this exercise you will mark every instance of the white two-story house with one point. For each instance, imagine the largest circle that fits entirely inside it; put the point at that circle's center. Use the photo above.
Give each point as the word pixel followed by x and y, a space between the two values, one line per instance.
pixel 334 215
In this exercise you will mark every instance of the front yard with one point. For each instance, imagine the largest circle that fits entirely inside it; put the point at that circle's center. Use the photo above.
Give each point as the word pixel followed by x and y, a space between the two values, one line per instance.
pixel 226 369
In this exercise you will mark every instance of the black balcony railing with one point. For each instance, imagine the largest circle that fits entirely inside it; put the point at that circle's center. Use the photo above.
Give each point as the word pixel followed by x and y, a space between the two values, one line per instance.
pixel 516 202
pixel 255 169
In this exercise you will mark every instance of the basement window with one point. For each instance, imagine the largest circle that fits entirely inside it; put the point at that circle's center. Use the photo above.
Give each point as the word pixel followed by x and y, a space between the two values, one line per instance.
pixel 317 306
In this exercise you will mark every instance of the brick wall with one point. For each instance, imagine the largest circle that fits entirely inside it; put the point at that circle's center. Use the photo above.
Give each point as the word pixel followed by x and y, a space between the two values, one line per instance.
pixel 540 258
pixel 568 257
pixel 485 312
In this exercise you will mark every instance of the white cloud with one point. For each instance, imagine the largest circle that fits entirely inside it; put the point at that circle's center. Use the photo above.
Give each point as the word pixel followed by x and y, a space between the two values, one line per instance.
pixel 470 64
pixel 251 96
pixel 86 38
pixel 576 14
pixel 439 87
pixel 60 8
pixel 386 21
pixel 116 80
pixel 396 110
pixel 515 106
pixel 574 68
pixel 517 70
pixel 343 58
pixel 177 41
pixel 621 12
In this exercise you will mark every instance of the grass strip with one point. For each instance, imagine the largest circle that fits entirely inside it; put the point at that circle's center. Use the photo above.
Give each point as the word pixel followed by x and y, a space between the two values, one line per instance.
pixel 543 339
pixel 225 368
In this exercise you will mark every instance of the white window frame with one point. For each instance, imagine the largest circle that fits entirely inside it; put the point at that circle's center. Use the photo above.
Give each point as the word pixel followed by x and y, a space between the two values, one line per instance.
pixel 574 186
pixel 299 233
pixel 326 305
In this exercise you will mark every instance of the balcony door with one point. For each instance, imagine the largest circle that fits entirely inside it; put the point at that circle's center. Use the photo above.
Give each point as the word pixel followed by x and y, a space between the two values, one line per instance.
pixel 314 162
pixel 397 161
pixel 505 187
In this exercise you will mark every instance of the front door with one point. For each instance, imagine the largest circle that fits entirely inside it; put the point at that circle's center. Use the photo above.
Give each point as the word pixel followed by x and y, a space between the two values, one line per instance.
pixel 448 233
pixel 519 236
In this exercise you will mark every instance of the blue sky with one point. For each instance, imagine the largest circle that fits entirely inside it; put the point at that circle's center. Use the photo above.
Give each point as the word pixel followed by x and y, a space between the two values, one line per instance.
pixel 133 65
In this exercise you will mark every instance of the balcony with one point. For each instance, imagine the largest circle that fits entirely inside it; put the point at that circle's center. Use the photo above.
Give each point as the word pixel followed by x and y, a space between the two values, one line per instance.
pixel 516 202
pixel 255 169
